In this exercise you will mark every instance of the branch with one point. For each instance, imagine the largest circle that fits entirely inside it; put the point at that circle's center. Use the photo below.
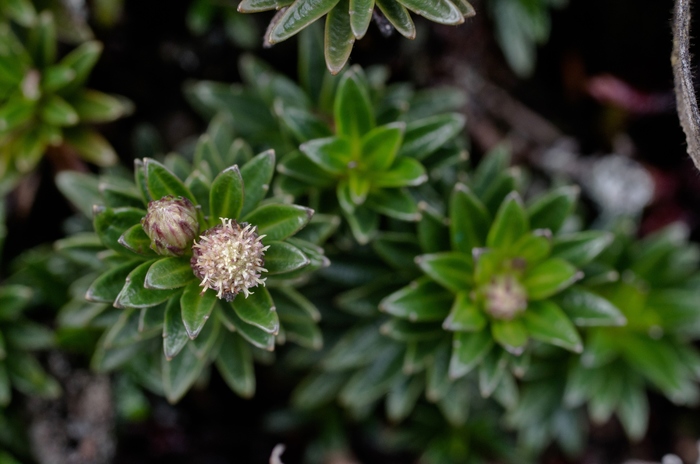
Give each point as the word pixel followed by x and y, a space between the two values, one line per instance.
pixel 686 102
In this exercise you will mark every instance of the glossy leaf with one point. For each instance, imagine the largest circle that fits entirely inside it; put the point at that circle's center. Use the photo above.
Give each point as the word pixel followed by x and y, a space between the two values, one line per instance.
pixel 97 107
pixel 90 145
pixel 279 221
pixel 396 203
pixel 180 373
pixel 257 174
pixel 108 285
pixel 339 37
pixel 135 295
pixel 110 224
pixel 81 189
pixel 547 323
pixel 511 335
pixel 174 334
pixel 254 335
pixel 440 11
pixel 196 307
pixel 299 15
pixel 422 300
pixel 468 350
pixel 226 195
pixel 469 220
pixel 465 315
pixel 352 110
pixel 423 137
pixel 405 172
pixel 509 225
pixel 81 60
pixel 136 240
pixel 549 278
pixel 581 248
pixel 169 273
pixel 57 112
pixel 380 145
pixel 283 257
pixel 360 16
pixel 258 310
pixel 255 6
pixel 364 224
pixel 161 182
pixel 331 154
pixel 551 209
pixel 398 16
pixel 586 309
pixel 453 270
pixel 235 363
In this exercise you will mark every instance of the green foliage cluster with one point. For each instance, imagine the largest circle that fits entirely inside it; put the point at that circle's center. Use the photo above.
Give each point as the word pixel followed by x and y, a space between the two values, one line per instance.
pixel 457 298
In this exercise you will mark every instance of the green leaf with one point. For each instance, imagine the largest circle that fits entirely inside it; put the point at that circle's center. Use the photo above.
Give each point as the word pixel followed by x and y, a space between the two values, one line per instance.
pixel 439 11
pixel 633 411
pixel 174 333
pixel 303 124
pixel 549 278
pixel 13 300
pixel 169 273
pixel 364 224
pixel 469 220
pixel 81 189
pixel 57 112
pixel 136 240
pixel 97 107
pixel 360 16
pixel 235 363
pixel 161 182
pixel 23 12
pixel 468 350
pixel 42 40
pixel 300 14
pixel 257 174
pixel 196 308
pixel 492 369
pixel 226 195
pixel 511 335
pixel 81 60
pixel 582 247
pixel 254 335
pixel 423 300
pixel 370 383
pixel 339 37
pixel 358 186
pixel 587 309
pixel 300 167
pixel 55 78
pixel 551 209
pixel 332 154
pixel 180 373
pixel 380 145
pixel 547 323
pixel 111 223
pixel 352 109
pixel 91 146
pixel 258 310
pixel 465 315
pixel 255 6
pixel 14 113
pixel 533 248
pixel 509 225
pixel 403 396
pixel 423 137
pixel 140 180
pixel 398 16
pixel 29 377
pixel 409 331
pixel 405 172
pixel 284 257
pixel 451 269
pixel 135 295
pixel 279 221
pixel 396 203
pixel 5 387
pixel 108 285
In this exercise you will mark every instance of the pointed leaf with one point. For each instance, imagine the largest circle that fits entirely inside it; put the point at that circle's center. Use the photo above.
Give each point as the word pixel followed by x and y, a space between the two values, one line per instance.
pixel 196 307
pixel 254 335
pixel 398 16
pixel 257 174
pixel 352 109
pixel 57 112
pixel 439 11
pixel 509 225
pixel 422 300
pixel 299 15
pixel 135 295
pixel 405 172
pixel 423 137
pixel 169 273
pixel 174 334
pixel 331 154
pixel 549 278
pixel 279 221
pixel 180 373
pixel 110 224
pixel 468 350
pixel 396 203
pixel 551 210
pixel 581 248
pixel 453 270
pixel 469 220
pixel 161 182
pixel 511 335
pixel 360 16
pixel 108 285
pixel 284 257
pixel 136 240
pixel 380 145
pixel 226 195
pixel 364 224
pixel 235 363
pixel 258 310
pixel 90 145
pixel 465 315
pixel 547 323
pixel 587 309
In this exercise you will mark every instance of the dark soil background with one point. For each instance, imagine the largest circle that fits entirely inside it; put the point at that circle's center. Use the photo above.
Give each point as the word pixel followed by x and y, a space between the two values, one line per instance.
pixel 150 53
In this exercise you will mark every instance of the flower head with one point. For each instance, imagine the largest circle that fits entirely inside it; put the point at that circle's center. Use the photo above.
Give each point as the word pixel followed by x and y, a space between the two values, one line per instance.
pixel 171 224
pixel 505 297
pixel 229 259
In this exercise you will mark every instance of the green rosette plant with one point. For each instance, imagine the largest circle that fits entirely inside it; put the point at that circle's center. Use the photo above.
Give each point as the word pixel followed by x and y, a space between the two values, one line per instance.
pixel 502 275
pixel 44 103
pixel 207 263
pixel 348 20
pixel 657 293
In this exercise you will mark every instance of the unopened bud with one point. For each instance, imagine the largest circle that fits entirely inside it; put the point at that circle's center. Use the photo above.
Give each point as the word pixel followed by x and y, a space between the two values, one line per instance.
pixel 171 224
